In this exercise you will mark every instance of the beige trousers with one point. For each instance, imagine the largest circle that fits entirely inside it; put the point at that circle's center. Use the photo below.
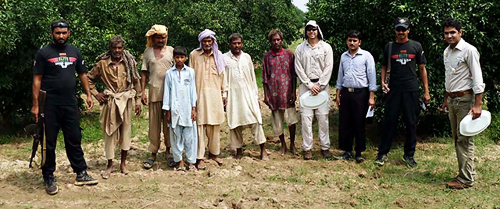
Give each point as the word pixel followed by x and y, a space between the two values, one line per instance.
pixel 464 145
pixel 236 135
pixel 208 135
pixel 289 115
pixel 157 120
pixel 122 135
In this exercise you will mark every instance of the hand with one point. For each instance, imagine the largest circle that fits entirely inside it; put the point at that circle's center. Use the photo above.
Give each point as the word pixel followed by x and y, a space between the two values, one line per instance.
pixel 168 116
pixel 224 101
pixel 476 111
pixel 193 115
pixel 426 98
pixel 90 102
pixel 444 107
pixel 385 88
pixel 293 97
pixel 371 103
pixel 35 111
pixel 144 99
pixel 101 98
pixel 266 101
pixel 315 90
pixel 137 110
pixel 337 100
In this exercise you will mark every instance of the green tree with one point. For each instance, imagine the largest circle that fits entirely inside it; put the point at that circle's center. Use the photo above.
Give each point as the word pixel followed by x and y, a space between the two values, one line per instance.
pixel 25 27
pixel 375 19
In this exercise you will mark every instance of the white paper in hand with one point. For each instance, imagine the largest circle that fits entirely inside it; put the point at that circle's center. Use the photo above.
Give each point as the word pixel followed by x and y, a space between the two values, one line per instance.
pixel 370 112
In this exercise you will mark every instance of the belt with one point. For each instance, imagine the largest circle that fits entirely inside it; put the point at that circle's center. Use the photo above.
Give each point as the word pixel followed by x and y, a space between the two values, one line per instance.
pixel 314 80
pixel 460 93
pixel 356 90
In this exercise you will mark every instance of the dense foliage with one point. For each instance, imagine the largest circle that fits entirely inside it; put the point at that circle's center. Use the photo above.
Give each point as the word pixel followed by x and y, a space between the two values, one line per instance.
pixel 25 26
pixel 375 19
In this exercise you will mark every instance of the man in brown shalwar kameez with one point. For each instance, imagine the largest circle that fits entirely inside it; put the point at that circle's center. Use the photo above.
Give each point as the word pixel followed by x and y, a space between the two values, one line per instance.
pixel 211 88
pixel 117 70
pixel 157 59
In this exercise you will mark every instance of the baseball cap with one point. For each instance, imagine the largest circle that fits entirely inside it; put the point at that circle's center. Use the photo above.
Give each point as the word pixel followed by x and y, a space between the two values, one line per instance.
pixel 402 22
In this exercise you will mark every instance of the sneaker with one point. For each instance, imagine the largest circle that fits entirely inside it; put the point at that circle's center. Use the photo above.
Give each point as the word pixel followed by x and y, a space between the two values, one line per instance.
pixel 308 155
pixel 326 154
pixel 51 186
pixel 359 158
pixel 83 178
pixel 381 159
pixel 409 161
pixel 344 156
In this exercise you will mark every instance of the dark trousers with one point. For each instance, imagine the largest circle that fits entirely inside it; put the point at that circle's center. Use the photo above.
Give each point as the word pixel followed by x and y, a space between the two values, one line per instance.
pixel 66 118
pixel 395 102
pixel 352 116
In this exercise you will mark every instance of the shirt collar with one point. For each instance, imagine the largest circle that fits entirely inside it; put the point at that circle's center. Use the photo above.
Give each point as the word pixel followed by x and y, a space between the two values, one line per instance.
pixel 461 44
pixel 109 61
pixel 359 52
pixel 231 55
pixel 318 45
pixel 281 52
pixel 203 52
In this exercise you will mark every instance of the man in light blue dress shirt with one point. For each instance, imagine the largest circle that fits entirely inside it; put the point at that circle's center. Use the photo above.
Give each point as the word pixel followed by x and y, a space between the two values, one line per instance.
pixel 356 86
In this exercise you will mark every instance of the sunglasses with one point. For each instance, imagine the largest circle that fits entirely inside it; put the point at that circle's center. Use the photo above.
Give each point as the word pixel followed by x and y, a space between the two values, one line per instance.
pixel 401 29
pixel 451 32
pixel 60 25
pixel 311 29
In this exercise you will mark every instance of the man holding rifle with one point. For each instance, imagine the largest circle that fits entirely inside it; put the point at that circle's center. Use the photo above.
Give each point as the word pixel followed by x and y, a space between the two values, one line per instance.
pixel 54 72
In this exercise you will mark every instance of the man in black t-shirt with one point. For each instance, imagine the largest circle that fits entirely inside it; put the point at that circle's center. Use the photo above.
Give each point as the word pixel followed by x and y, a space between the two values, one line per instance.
pixel 54 72
pixel 402 90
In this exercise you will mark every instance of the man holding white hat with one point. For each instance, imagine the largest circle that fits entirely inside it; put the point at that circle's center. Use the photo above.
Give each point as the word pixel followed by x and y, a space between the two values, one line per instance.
pixel 313 65
pixel 464 94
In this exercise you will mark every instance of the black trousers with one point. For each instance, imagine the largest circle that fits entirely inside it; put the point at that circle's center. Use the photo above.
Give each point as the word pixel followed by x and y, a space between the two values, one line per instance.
pixel 67 119
pixel 352 116
pixel 396 101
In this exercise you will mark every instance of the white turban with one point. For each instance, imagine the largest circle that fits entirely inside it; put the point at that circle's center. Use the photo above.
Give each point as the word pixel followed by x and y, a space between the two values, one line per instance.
pixel 219 59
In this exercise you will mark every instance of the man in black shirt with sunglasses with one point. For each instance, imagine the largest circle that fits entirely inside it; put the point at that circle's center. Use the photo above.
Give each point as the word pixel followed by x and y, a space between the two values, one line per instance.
pixel 54 72
pixel 400 59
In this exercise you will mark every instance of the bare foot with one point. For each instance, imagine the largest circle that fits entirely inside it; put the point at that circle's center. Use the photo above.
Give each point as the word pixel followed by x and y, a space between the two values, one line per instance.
pixel 107 173
pixel 216 159
pixel 201 165
pixel 283 150
pixel 123 169
pixel 263 155
pixel 293 150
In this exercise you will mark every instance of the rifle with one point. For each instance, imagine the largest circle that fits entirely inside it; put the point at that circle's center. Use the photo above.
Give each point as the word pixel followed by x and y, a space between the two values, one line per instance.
pixel 37 130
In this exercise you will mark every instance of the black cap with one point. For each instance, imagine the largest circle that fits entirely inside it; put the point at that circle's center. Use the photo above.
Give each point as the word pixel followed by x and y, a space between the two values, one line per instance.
pixel 402 22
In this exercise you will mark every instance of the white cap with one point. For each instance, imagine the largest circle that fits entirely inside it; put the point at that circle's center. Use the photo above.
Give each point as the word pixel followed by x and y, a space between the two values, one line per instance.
pixel 314 24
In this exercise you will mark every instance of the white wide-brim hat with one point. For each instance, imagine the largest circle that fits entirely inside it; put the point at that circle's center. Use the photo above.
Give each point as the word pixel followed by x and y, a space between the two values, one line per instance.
pixel 308 101
pixel 469 127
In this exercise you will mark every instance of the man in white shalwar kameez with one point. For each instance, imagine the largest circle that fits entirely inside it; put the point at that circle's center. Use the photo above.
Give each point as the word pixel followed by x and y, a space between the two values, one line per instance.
pixel 243 107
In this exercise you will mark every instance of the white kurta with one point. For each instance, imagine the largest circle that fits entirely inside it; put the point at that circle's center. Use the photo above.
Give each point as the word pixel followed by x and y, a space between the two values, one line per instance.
pixel 243 95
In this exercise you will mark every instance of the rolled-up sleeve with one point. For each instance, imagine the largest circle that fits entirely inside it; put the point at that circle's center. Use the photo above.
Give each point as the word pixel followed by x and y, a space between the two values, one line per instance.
pixel 475 69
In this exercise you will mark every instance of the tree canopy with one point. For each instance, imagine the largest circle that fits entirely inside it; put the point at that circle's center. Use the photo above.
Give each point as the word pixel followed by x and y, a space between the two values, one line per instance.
pixel 25 27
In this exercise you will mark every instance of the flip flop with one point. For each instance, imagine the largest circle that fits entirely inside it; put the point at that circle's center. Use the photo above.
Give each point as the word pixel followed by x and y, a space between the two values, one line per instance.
pixel 148 163
pixel 192 167
pixel 202 167
pixel 105 175
pixel 170 162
